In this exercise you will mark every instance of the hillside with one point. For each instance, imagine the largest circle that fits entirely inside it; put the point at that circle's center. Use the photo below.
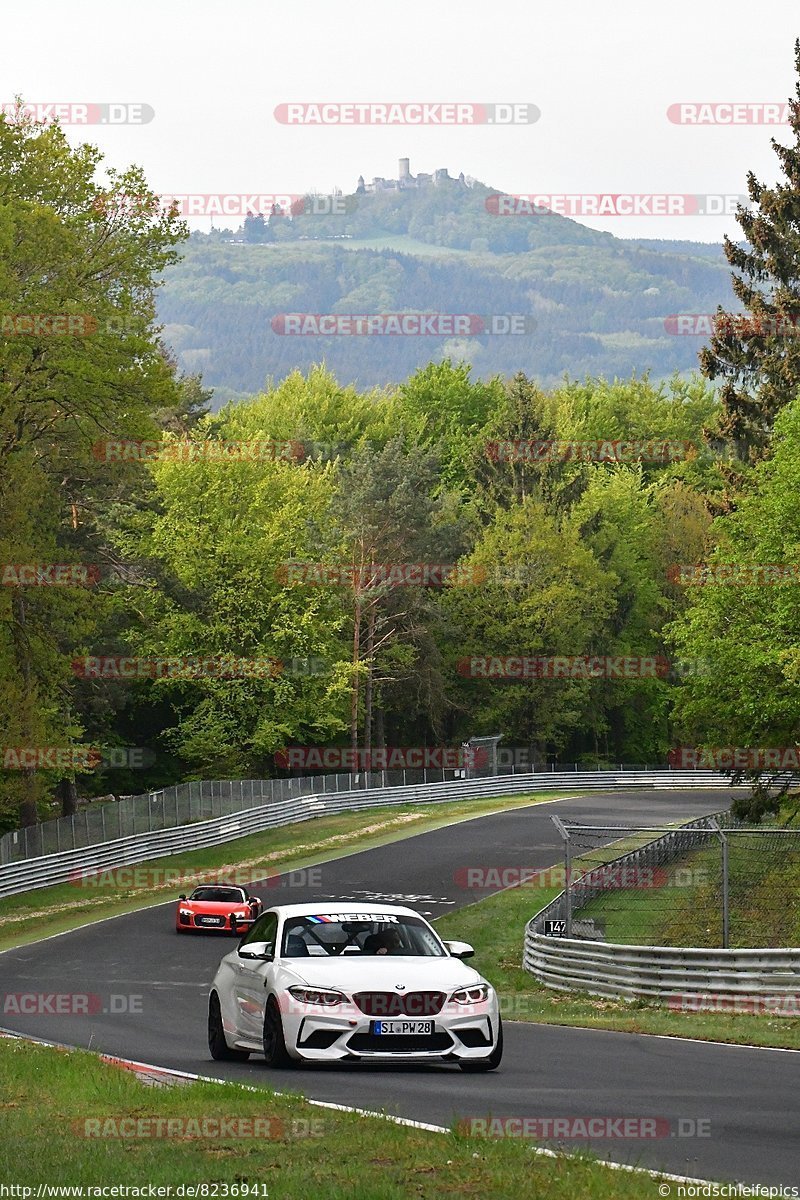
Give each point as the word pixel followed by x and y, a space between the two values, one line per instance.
pixel 598 302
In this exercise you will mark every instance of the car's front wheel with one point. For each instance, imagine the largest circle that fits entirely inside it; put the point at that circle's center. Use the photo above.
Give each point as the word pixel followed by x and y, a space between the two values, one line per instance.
pixel 275 1052
pixel 220 1050
pixel 486 1064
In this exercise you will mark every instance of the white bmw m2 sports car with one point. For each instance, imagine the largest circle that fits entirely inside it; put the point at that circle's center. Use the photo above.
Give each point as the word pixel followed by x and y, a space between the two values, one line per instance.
pixel 334 982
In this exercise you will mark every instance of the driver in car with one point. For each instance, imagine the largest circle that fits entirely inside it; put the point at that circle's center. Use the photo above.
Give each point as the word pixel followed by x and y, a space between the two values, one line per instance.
pixel 385 942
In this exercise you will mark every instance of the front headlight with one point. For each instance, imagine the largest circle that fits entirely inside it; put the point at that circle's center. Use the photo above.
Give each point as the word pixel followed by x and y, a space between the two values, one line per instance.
pixel 471 995
pixel 242 916
pixel 317 996
pixel 185 912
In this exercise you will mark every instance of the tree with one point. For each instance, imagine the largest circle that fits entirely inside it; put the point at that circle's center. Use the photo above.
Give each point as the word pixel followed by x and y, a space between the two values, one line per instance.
pixel 446 411
pixel 216 544
pixel 545 594
pixel 256 228
pixel 390 510
pixel 79 359
pixel 747 634
pixel 757 356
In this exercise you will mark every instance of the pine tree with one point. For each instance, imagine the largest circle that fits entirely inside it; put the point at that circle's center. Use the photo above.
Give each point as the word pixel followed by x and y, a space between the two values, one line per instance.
pixel 756 354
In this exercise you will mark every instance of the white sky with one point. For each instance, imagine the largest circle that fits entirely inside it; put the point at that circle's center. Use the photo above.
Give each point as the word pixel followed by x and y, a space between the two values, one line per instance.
pixel 603 76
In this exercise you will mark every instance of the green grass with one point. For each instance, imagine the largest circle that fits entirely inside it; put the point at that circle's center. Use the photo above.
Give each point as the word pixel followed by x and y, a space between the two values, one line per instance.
pixel 400 242
pixel 37 914
pixel 764 880
pixel 495 928
pixel 47 1096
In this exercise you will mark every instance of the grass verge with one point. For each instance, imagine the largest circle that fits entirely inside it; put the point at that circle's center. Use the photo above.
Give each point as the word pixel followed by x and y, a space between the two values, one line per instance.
pixel 51 1099
pixel 494 926
pixel 37 914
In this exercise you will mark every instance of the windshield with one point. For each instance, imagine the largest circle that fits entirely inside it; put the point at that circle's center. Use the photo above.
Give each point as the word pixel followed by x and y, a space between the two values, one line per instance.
pixel 220 895
pixel 328 935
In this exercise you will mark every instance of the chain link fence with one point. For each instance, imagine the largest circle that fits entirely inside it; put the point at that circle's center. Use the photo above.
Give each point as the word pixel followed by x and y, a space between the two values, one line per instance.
pixel 202 800
pixel 713 883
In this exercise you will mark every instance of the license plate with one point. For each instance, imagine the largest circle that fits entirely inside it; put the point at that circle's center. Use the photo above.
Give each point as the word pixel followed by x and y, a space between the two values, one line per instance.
pixel 398 1028
pixel 211 920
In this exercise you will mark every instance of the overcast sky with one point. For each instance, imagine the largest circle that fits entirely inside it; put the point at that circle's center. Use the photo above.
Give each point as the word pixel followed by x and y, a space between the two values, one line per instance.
pixel 602 75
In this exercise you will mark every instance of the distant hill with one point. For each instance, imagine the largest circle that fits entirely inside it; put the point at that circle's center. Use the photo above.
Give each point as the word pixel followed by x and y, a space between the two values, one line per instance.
pixel 599 303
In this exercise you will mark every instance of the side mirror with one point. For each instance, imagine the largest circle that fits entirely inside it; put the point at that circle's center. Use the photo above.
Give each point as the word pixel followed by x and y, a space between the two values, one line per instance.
pixel 182 896
pixel 259 950
pixel 460 949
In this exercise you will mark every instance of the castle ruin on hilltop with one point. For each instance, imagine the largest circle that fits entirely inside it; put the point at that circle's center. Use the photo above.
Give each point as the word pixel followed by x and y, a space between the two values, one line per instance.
pixel 407 182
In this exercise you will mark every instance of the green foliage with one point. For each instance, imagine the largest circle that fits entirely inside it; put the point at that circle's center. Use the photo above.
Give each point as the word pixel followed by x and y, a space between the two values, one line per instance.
pixel 599 304
pixel 79 358
pixel 757 359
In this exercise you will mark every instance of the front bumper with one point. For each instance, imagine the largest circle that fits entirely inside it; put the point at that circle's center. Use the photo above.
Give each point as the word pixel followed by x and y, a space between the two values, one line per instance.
pixel 195 922
pixel 328 1038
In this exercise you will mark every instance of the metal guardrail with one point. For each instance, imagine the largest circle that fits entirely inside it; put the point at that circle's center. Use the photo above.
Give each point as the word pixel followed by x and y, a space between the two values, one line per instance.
pixel 45 870
pixel 668 973
pixel 661 972
pixel 200 800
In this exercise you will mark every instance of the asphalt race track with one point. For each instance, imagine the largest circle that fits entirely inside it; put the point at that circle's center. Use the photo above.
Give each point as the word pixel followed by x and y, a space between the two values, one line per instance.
pixel 153 987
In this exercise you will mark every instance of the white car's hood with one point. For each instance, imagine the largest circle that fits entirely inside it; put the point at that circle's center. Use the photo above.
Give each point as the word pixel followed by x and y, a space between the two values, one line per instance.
pixel 383 972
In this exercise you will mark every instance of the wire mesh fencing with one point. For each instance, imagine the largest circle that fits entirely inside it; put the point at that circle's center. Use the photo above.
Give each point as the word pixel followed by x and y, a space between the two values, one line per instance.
pixel 712 883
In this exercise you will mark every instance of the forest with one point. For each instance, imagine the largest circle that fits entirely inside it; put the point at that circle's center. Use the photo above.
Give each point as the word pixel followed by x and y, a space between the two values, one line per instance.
pixel 537 547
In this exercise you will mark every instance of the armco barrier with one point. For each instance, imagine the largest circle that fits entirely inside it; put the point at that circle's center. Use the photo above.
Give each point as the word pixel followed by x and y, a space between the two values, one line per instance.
pixel 49 869
pixel 662 972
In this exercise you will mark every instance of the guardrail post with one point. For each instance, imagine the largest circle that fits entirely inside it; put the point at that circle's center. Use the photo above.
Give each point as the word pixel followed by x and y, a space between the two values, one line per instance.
pixel 714 824
pixel 562 829
pixel 725 894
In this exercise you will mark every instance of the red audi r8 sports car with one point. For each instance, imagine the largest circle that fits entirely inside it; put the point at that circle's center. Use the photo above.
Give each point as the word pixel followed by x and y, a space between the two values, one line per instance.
pixel 217 908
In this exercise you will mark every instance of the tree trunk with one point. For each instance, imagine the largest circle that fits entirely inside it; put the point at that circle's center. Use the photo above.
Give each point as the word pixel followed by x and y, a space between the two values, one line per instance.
pixel 368 684
pixel 380 733
pixel 356 678
pixel 28 807
pixel 67 793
